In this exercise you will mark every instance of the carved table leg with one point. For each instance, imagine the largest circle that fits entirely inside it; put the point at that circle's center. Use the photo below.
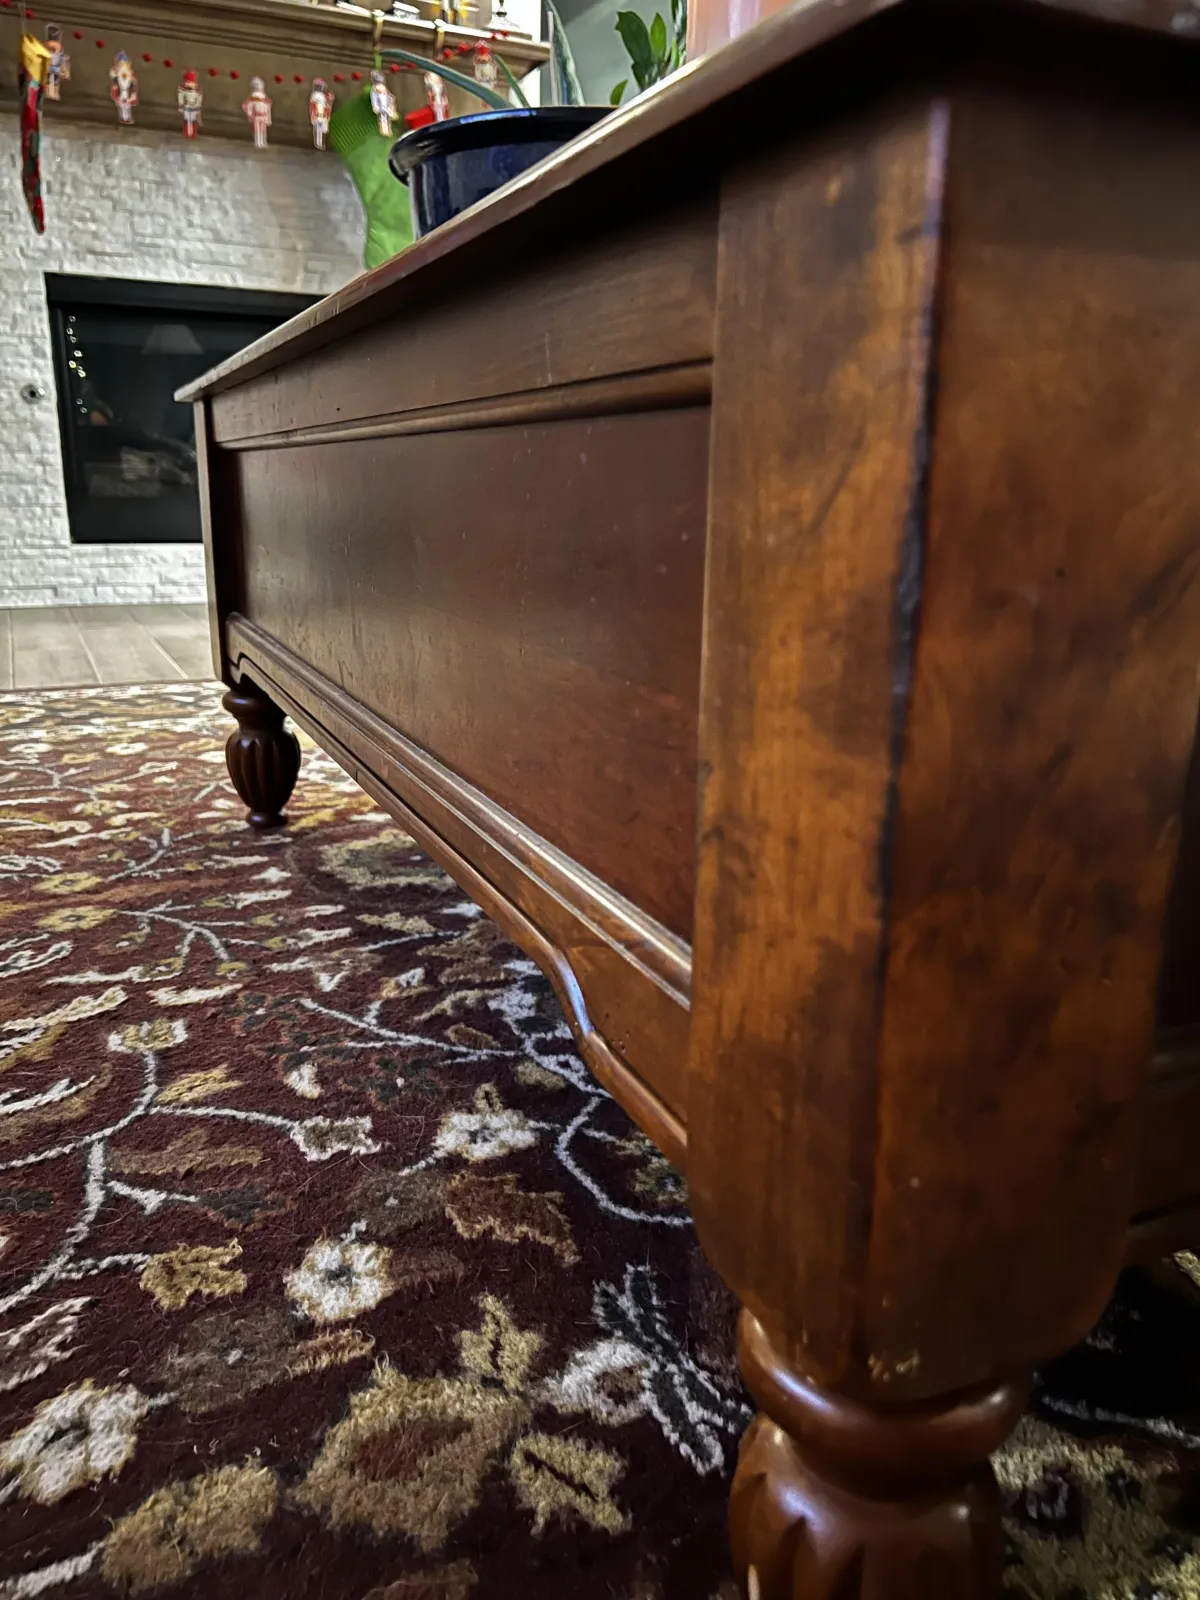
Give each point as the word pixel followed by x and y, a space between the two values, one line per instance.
pixel 835 1501
pixel 263 756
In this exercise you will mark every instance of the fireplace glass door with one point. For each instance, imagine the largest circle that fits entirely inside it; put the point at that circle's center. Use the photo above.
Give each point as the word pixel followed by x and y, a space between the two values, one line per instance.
pixel 121 350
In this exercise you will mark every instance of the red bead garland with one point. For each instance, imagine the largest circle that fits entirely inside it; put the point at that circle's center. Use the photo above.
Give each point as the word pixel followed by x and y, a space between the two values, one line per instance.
pixel 446 53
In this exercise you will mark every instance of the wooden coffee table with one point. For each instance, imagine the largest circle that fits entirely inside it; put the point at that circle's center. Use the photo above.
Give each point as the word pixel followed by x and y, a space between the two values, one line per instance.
pixel 758 554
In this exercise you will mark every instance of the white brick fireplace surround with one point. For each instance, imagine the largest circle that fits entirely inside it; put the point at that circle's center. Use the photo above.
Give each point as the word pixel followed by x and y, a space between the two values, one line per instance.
pixel 133 203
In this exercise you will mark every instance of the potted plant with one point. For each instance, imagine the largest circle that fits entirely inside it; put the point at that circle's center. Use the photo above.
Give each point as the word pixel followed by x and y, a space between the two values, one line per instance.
pixel 452 164
pixel 655 51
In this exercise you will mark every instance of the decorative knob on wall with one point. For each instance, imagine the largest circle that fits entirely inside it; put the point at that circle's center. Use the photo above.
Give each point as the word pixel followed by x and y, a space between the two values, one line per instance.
pixel 31 393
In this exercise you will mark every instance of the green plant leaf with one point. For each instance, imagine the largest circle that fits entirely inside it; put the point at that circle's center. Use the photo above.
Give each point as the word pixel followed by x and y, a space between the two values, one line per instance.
pixel 679 28
pixel 636 40
pixel 614 98
pixel 658 37
pixel 458 79
pixel 513 82
pixel 570 90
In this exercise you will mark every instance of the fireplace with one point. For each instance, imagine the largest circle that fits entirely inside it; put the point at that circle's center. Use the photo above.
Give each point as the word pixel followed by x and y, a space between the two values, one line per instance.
pixel 121 349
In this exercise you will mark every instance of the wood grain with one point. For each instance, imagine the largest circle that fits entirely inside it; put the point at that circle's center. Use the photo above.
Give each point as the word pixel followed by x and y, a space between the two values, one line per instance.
pixel 221 531
pixel 834 1500
pixel 262 755
pixel 1048 737
pixel 689 383
pixel 544 640
pixel 825 283
pixel 640 297
pixel 622 979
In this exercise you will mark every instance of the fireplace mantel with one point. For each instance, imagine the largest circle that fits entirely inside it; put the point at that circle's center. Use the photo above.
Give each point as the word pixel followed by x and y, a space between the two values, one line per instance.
pixel 247 37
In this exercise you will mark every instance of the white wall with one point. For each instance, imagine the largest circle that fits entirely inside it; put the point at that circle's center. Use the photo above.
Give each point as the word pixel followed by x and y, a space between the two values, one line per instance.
pixel 525 16
pixel 133 203
pixel 600 58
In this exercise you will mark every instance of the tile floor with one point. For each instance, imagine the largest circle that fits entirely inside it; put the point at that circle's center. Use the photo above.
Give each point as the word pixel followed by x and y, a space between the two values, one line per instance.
pixel 56 647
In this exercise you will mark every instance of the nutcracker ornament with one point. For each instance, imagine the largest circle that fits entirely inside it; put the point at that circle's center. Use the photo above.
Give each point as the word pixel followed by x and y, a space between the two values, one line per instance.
pixel 257 107
pixel 58 67
pixel 123 86
pixel 436 97
pixel 485 65
pixel 320 109
pixel 190 101
pixel 383 104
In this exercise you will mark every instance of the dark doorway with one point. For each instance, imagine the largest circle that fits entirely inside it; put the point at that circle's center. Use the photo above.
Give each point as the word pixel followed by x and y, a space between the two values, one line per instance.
pixel 121 349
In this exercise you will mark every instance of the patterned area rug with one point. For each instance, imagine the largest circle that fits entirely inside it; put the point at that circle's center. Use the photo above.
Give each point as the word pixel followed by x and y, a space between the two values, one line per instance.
pixel 327 1270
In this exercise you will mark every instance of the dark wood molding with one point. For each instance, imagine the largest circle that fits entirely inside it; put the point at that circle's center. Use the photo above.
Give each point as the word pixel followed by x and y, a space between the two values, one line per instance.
pixel 660 389
pixel 219 521
pixel 262 755
pixel 637 302
pixel 284 27
pixel 833 1500
pixel 620 975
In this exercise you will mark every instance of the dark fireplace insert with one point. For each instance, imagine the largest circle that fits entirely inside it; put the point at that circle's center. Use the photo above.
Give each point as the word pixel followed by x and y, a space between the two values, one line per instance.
pixel 121 349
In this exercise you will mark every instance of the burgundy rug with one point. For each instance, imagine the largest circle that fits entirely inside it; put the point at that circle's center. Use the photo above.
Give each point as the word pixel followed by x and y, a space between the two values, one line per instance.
pixel 326 1270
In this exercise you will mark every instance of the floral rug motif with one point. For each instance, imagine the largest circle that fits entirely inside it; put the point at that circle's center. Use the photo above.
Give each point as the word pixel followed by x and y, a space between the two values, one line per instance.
pixel 326 1269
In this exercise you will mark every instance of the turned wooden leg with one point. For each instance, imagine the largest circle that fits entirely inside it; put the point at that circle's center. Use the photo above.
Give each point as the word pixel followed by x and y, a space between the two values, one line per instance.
pixel 263 756
pixel 833 1500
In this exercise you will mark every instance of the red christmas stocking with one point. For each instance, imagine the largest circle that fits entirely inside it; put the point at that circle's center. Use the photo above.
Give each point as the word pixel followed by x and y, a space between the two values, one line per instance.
pixel 34 56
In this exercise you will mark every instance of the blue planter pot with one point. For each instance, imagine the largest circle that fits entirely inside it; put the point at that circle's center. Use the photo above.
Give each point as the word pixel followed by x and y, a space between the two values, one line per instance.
pixel 450 165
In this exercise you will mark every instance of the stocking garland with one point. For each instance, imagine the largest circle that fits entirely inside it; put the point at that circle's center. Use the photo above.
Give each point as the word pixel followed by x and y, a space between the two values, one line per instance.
pixel 46 66
pixel 35 61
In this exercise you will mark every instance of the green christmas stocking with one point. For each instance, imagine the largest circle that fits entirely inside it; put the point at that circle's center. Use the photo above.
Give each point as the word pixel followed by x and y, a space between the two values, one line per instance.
pixel 354 134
